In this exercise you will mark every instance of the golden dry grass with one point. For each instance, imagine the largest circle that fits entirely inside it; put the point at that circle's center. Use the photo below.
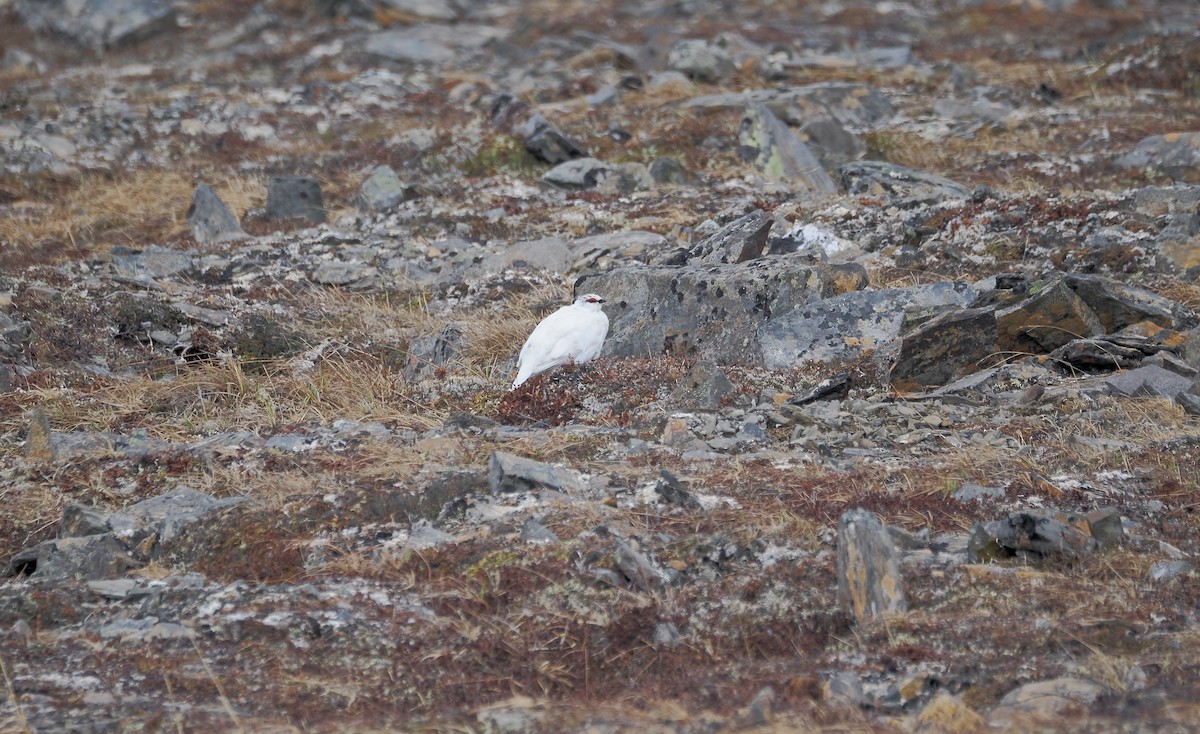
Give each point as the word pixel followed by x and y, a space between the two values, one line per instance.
pixel 136 208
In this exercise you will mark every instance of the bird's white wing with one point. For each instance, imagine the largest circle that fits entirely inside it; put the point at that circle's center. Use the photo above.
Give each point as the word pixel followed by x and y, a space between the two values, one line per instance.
pixel 542 342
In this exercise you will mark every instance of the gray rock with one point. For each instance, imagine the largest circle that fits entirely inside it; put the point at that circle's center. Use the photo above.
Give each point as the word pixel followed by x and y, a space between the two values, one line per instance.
pixel 1118 305
pixel 702 388
pixel 427 353
pixel 900 186
pixel 945 348
pixel 1033 533
pixel 1168 570
pixel 668 171
pixel 710 311
pixel 842 328
pixel 971 492
pixel 80 521
pixel 1097 354
pixel 542 138
pixel 211 219
pixel 209 316
pixel 856 105
pixel 39 439
pixel 636 567
pixel 1174 154
pixel 512 473
pixel 90 557
pixel 423 9
pixel 429 43
pixel 742 239
pixel 99 23
pixel 152 262
pixel 1189 402
pixel 701 61
pixel 672 491
pixel 344 274
pixel 1106 526
pixel 1149 381
pixel 165 515
pixel 831 388
pixel 779 153
pixel 870 587
pixel 533 531
pixel 119 589
pixel 1033 702
pixel 579 174
pixel 1049 317
pixel 18 60
pixel 295 196
pixel 667 634
pixel 1158 201
pixel 383 189
pixel 832 143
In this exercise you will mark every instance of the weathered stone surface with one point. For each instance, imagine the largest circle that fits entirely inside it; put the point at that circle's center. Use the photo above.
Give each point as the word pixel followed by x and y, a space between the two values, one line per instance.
pixel 870 586
pixel 902 187
pixel 668 171
pixel 90 557
pixel 742 239
pixel 832 143
pixel 846 102
pixel 429 43
pixel 542 138
pixel 99 23
pixel 947 714
pixel 153 261
pixel 427 353
pixel 1033 533
pixel 1173 154
pixel 636 567
pixel 1044 700
pixel 512 473
pixel 779 153
pixel 39 440
pixel 672 491
pixel 1118 305
pixel 344 274
pixel 1097 354
pixel 383 189
pixel 702 388
pixel 713 311
pixel 1048 318
pixel 700 60
pixel 579 174
pixel 211 219
pixel 945 348
pixel 295 196
pixel 1106 527
pixel 1148 381
pixel 844 327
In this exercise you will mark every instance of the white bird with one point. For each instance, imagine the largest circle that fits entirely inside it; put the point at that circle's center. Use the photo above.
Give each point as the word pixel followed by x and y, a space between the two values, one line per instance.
pixel 573 333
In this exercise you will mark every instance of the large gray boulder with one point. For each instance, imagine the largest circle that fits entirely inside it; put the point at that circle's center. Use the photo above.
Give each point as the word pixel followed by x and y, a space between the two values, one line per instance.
pixel 842 329
pixel 714 311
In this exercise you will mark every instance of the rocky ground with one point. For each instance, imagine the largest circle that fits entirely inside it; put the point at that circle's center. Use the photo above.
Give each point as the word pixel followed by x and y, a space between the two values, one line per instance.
pixel 895 429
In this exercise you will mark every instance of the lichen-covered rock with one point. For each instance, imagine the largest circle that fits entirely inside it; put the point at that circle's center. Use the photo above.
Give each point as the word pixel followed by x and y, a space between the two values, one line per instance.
pixel 211 219
pixel 1050 316
pixel 299 197
pixel 712 311
pixel 1118 304
pixel 901 186
pixel 742 239
pixel 945 348
pixel 700 60
pixel 1174 154
pixel 383 190
pixel 1032 533
pixel 843 328
pixel 779 153
pixel 511 473
pixel 870 586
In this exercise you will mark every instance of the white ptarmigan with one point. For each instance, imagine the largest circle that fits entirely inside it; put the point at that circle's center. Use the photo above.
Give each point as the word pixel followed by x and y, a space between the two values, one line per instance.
pixel 573 333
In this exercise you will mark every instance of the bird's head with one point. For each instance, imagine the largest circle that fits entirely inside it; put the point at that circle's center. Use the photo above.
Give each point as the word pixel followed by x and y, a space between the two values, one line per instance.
pixel 589 300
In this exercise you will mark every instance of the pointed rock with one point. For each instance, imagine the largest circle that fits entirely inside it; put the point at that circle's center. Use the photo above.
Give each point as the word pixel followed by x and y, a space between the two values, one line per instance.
pixel 742 239
pixel 779 153
pixel 869 583
pixel 211 219
pixel 945 348
pixel 39 441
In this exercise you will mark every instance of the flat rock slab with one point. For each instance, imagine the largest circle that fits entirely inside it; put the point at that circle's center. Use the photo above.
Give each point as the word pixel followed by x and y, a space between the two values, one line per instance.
pixel 1147 381
pixel 1117 304
pixel 1051 316
pixel 1047 699
pixel 1174 154
pixel 900 186
pixel 99 23
pixel 842 328
pixel 742 239
pixel 1032 533
pixel 429 43
pixel 714 312
pixel 512 473
pixel 295 197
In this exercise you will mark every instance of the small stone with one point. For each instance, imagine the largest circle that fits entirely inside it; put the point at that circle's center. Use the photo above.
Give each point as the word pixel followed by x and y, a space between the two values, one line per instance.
pixel 702 388
pixel 578 174
pixel 742 239
pixel 1168 570
pixel 1189 402
pixel 295 197
pixel 976 492
pixel 39 440
pixel 512 473
pixel 637 568
pixel 666 634
pixel 845 687
pixel 383 189
pixel 211 219
pixel 542 138
pixel 947 714
pixel 700 60
pixel 1106 526
pixel 671 490
pixel 344 273
pixel 668 171
pixel 532 531
pixel 869 583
